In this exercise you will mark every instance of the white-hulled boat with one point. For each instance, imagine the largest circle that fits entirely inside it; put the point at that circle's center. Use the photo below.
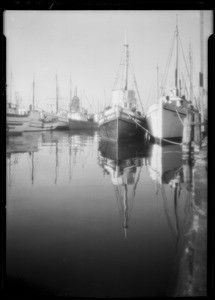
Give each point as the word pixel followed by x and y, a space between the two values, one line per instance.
pixel 121 121
pixel 38 121
pixel 16 122
pixel 165 118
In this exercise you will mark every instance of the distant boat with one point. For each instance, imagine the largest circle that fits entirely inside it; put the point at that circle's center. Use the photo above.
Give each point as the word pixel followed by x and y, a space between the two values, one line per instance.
pixel 16 119
pixel 40 121
pixel 79 117
pixel 16 122
pixel 62 115
pixel 122 121
pixel 165 118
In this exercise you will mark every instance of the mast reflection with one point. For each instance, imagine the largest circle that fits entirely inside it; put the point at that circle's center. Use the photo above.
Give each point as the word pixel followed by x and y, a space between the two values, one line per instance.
pixel 16 147
pixel 172 175
pixel 75 142
pixel 124 163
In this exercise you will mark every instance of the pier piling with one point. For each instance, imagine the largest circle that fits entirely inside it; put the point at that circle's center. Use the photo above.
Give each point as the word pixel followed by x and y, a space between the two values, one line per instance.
pixel 188 132
pixel 197 132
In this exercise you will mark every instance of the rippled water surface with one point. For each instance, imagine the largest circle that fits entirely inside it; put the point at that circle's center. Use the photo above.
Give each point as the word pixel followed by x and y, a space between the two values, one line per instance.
pixel 89 218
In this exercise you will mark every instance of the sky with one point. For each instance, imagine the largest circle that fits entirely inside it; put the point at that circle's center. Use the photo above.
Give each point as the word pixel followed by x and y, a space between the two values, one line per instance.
pixel 86 48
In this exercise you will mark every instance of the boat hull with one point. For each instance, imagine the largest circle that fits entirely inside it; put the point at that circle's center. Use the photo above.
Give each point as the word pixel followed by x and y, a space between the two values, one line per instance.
pixel 165 122
pixel 16 124
pixel 121 129
pixel 41 126
pixel 82 125
pixel 63 123
pixel 122 151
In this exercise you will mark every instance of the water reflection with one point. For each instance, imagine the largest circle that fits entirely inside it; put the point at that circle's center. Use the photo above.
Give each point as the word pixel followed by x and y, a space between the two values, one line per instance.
pixel 171 175
pixel 124 164
pixel 85 218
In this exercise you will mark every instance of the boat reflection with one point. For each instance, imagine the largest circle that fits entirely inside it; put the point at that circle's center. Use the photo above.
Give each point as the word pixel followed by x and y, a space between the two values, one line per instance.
pixel 124 163
pixel 172 176
pixel 17 147
pixel 75 141
pixel 22 143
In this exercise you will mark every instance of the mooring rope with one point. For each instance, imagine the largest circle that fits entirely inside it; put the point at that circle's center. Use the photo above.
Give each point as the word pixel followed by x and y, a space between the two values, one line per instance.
pixel 151 133
pixel 180 118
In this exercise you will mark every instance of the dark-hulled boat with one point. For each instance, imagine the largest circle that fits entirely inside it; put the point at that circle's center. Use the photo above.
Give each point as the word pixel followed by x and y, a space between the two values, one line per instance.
pixel 122 121
pixel 79 118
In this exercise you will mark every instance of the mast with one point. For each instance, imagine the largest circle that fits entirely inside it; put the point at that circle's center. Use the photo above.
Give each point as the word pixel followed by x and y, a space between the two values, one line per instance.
pixel 70 95
pixel 33 99
pixel 157 90
pixel 201 78
pixel 11 87
pixel 176 69
pixel 191 73
pixel 57 108
pixel 126 64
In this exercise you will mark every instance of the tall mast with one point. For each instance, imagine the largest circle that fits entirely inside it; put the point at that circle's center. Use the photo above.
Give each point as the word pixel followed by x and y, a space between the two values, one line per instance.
pixel 11 87
pixel 157 90
pixel 56 95
pixel 33 99
pixel 201 78
pixel 176 69
pixel 70 94
pixel 191 74
pixel 126 64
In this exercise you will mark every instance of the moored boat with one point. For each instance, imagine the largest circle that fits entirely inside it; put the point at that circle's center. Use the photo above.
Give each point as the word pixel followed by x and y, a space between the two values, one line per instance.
pixel 79 117
pixel 165 118
pixel 122 121
pixel 16 123
pixel 40 122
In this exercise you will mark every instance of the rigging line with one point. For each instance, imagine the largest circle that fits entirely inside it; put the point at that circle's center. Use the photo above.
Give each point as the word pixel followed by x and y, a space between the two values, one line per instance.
pixel 171 142
pixel 135 83
pixel 164 77
pixel 184 56
pixel 185 86
pixel 134 191
pixel 118 71
pixel 149 95
pixel 180 118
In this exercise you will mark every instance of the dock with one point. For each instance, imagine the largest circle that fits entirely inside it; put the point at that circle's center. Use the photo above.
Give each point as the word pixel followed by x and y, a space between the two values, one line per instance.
pixel 192 279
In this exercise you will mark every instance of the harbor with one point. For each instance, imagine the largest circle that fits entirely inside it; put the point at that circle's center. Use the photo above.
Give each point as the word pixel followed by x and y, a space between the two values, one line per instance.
pixel 108 197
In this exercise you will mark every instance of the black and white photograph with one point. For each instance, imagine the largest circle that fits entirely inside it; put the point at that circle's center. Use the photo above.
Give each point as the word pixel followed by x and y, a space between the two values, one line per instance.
pixel 106 153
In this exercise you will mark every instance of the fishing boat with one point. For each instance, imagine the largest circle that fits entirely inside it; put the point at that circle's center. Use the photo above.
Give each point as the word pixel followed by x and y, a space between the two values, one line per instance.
pixel 124 165
pixel 16 122
pixel 165 118
pixel 122 121
pixel 39 120
pixel 79 117
pixel 61 114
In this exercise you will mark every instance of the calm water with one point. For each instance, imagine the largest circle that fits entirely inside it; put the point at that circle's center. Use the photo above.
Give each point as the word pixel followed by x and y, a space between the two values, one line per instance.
pixel 84 218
